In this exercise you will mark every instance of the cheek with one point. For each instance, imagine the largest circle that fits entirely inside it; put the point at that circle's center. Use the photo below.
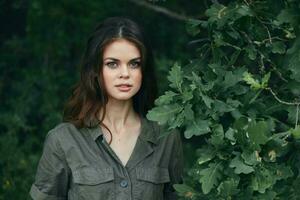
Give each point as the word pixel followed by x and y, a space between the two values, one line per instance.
pixel 108 76
pixel 139 77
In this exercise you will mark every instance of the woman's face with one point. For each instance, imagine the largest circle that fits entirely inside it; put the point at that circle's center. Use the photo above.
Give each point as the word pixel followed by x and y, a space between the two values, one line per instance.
pixel 121 69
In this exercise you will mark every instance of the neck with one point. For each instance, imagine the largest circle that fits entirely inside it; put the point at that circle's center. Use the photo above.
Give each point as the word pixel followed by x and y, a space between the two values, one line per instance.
pixel 119 114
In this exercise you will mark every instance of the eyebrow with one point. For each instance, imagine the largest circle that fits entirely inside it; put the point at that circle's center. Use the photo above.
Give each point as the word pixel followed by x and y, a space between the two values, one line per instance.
pixel 114 59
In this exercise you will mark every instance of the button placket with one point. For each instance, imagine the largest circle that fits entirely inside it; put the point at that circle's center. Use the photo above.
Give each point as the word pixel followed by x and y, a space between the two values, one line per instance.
pixel 127 183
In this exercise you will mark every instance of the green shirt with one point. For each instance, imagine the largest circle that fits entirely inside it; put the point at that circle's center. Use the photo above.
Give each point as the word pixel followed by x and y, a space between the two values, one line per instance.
pixel 78 164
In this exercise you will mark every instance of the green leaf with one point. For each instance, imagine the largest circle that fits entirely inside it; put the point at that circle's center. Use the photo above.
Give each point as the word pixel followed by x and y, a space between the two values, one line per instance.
pixel 215 12
pixel 278 47
pixel 241 123
pixel 163 113
pixel 196 79
pixel 167 98
pixel 234 57
pixel 230 136
pixel 254 84
pixel 234 34
pixel 207 100
pixel 251 52
pixel 240 126
pixel 244 10
pixel 265 80
pixel 283 172
pixel 258 133
pixel 217 68
pixel 293 60
pixel 262 179
pixel 296 133
pixel 177 120
pixel 287 16
pixel 184 190
pixel 222 107
pixel 197 127
pixel 292 86
pixel 268 195
pixel 240 167
pixel 251 157
pixel 192 26
pixel 204 155
pixel 176 77
pixel 219 39
pixel 231 79
pixel 186 95
pixel 255 96
pixel 228 188
pixel 188 112
pixel 233 103
pixel 210 176
pixel 217 136
pixel 292 113
pixel 266 176
pixel 293 67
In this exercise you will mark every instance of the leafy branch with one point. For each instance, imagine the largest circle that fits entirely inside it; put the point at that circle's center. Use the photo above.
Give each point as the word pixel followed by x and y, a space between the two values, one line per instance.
pixel 256 85
pixel 162 10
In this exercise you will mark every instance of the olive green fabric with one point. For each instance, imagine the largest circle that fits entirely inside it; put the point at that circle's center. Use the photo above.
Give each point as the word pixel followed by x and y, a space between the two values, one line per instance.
pixel 80 165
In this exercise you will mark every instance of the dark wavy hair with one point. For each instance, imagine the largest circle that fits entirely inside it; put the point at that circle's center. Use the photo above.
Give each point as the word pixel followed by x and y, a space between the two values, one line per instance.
pixel 89 95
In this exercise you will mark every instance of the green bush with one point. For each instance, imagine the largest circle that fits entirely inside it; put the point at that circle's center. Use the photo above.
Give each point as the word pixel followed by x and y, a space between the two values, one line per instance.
pixel 238 97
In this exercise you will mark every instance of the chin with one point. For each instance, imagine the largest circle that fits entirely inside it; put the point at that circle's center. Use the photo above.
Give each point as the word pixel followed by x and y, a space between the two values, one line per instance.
pixel 122 97
pixel 116 95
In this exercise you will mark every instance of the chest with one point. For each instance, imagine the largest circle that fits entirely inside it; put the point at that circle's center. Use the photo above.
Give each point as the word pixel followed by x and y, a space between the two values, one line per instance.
pixel 123 143
pixel 123 148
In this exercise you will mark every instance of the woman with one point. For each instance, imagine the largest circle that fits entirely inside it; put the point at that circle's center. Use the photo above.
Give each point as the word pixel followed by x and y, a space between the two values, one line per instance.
pixel 106 149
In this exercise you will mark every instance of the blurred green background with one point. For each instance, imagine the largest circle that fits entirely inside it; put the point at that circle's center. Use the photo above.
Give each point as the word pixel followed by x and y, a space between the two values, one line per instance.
pixel 41 46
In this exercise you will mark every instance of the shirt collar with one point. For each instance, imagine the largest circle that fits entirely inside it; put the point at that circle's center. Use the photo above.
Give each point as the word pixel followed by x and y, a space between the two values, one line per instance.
pixel 148 131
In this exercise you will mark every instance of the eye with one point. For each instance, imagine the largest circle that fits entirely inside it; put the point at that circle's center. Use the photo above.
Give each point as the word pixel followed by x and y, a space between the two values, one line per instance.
pixel 111 64
pixel 135 64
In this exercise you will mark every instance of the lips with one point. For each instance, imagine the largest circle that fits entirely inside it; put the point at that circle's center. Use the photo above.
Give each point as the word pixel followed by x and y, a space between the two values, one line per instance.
pixel 123 85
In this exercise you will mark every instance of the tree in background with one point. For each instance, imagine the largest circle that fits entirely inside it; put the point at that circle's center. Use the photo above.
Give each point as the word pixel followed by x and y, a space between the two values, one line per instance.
pixel 238 101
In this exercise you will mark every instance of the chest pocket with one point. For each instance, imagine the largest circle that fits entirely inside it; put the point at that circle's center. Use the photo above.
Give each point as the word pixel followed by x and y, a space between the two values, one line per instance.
pixel 93 183
pixel 150 182
pixel 154 175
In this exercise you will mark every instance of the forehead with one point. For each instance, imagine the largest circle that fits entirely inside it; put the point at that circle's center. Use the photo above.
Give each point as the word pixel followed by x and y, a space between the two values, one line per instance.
pixel 121 49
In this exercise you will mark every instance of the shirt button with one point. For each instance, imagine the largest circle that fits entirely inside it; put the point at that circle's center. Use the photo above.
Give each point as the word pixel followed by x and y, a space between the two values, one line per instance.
pixel 123 183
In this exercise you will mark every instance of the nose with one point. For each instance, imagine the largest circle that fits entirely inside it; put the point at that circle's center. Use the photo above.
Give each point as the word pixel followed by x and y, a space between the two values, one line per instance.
pixel 124 73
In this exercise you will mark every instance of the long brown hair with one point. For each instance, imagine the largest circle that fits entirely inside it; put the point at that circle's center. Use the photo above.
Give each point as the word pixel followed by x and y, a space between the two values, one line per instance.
pixel 89 95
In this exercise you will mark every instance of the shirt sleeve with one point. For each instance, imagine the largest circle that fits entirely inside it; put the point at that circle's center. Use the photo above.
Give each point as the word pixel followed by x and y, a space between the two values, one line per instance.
pixel 51 179
pixel 175 167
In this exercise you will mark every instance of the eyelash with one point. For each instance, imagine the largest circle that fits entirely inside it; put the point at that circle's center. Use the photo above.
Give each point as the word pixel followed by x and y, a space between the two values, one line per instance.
pixel 109 64
pixel 137 63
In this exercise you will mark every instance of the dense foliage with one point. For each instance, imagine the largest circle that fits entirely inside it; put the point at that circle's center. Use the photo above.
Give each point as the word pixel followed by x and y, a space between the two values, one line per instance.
pixel 239 97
